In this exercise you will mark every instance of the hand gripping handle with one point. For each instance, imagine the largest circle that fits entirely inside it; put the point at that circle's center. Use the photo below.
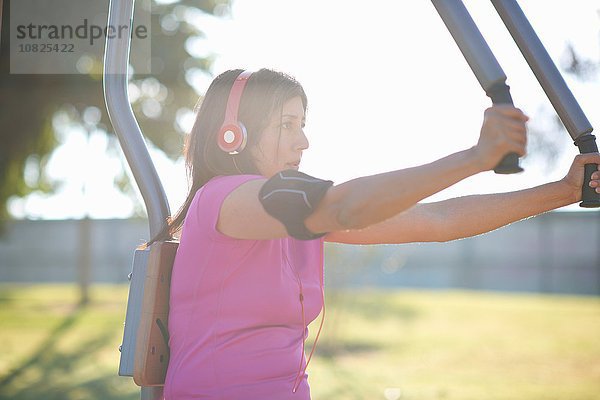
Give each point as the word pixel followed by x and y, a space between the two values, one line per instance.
pixel 482 61
pixel 500 94
pixel 589 197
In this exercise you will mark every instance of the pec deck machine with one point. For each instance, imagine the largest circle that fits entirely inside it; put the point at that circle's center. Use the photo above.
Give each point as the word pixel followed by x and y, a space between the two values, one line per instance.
pixel 144 351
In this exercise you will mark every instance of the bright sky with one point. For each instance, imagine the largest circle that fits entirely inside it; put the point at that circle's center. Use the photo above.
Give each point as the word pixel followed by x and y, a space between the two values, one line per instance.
pixel 387 87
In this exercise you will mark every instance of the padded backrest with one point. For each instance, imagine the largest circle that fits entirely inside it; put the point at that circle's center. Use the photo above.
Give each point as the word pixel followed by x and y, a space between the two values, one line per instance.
pixel 152 349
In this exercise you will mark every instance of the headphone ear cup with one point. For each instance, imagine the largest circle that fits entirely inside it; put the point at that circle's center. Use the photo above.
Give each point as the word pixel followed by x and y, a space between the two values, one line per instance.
pixel 232 138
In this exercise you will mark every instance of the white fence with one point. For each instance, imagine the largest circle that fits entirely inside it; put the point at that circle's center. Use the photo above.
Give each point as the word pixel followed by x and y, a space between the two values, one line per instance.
pixel 558 252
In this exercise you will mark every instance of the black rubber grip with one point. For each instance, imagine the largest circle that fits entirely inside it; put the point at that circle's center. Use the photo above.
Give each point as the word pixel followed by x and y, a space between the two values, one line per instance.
pixel 589 197
pixel 500 94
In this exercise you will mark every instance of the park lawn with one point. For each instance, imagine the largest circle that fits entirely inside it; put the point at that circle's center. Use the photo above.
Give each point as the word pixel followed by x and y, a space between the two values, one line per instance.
pixel 376 344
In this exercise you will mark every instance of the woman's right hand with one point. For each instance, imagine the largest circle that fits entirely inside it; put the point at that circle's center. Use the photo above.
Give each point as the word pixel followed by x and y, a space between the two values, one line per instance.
pixel 503 131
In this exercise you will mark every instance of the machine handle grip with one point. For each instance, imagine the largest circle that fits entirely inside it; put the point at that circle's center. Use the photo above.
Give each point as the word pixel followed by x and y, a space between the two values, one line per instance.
pixel 589 197
pixel 500 94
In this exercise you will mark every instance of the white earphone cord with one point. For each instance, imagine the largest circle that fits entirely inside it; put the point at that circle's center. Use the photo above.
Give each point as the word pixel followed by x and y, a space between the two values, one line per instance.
pixel 236 166
pixel 301 370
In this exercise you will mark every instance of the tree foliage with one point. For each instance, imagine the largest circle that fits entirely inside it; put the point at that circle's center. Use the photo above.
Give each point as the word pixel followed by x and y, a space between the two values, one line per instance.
pixel 29 102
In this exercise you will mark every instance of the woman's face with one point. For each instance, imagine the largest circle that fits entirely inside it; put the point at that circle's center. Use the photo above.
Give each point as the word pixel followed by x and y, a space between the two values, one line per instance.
pixel 282 142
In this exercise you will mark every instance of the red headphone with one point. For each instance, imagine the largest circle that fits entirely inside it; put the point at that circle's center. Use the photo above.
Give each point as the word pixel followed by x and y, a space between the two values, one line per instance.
pixel 232 135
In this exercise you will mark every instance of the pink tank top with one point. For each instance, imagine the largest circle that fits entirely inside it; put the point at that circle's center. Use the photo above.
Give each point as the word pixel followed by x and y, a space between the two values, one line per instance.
pixel 235 319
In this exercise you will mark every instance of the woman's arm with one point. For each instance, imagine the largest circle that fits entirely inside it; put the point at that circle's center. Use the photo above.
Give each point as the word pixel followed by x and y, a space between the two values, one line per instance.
pixel 354 204
pixel 473 215
pixel 366 201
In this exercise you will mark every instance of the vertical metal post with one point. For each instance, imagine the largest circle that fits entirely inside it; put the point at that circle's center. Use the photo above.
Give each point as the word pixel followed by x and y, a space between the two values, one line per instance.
pixel 116 61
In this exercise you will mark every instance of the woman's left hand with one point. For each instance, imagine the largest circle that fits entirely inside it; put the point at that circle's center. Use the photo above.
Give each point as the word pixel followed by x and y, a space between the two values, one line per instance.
pixel 575 176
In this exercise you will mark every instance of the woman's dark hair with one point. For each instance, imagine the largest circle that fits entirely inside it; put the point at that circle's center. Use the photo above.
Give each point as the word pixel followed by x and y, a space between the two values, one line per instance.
pixel 265 93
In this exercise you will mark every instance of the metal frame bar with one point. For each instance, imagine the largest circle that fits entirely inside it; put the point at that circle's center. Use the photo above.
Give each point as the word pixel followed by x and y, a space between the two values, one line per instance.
pixel 482 61
pixel 543 68
pixel 116 62
pixel 556 89
pixel 130 136
pixel 471 43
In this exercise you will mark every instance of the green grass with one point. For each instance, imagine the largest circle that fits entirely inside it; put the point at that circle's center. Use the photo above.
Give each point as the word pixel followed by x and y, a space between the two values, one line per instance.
pixel 375 345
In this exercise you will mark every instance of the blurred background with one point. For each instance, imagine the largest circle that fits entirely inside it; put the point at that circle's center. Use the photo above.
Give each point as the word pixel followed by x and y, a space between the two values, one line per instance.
pixel 513 314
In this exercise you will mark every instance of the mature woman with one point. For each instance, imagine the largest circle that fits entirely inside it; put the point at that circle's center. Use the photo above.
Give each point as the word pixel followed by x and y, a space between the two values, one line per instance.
pixel 248 275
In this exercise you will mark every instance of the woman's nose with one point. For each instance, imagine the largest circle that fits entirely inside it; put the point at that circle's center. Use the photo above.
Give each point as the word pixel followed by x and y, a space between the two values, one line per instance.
pixel 302 141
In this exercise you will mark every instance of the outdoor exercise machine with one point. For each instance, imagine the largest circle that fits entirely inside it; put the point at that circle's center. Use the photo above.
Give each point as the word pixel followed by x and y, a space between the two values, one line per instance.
pixel 144 352
pixel 492 79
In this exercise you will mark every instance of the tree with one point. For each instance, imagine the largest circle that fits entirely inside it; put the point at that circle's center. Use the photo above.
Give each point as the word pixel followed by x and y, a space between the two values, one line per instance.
pixel 29 102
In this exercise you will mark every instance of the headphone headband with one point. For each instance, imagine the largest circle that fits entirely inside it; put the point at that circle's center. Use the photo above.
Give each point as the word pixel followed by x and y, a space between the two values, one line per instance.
pixel 232 135
pixel 235 97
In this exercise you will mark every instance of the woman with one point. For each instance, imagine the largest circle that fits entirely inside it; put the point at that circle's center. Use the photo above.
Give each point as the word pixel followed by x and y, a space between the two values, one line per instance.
pixel 247 278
